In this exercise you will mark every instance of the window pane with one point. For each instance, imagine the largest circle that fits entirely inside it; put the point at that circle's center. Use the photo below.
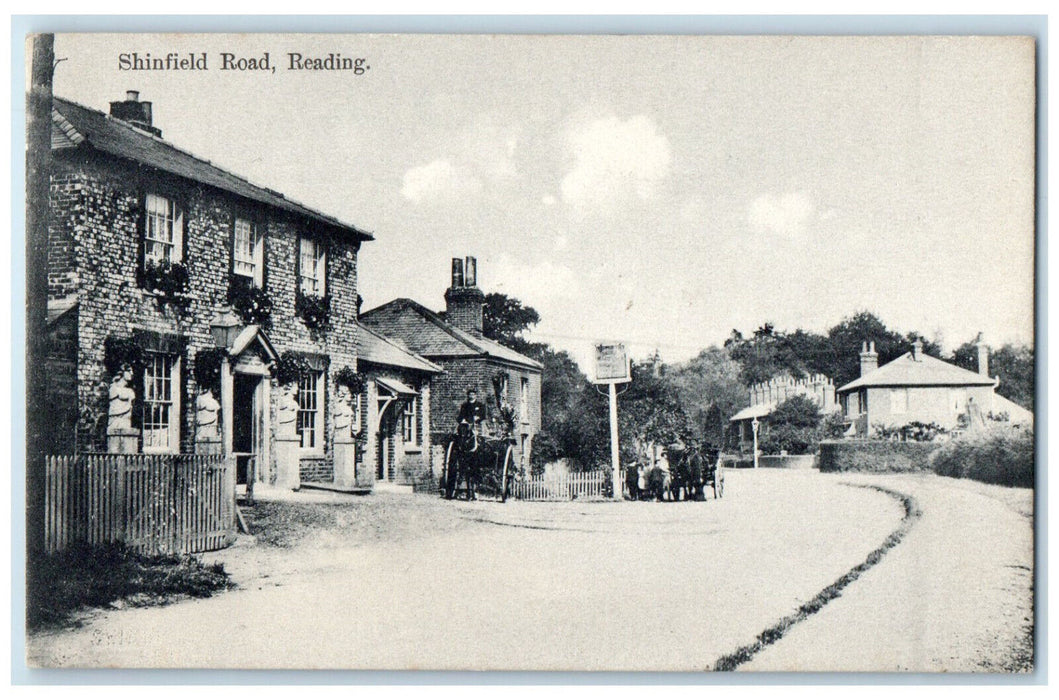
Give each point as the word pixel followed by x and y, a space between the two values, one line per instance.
pixel 244 249
pixel 308 423
pixel 158 402
pixel 159 234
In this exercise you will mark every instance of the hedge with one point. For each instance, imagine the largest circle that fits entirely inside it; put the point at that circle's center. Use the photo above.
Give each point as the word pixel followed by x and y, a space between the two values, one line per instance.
pixel 998 456
pixel 875 456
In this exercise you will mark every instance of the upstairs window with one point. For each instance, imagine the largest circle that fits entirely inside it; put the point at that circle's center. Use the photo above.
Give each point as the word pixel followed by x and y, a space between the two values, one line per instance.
pixel 312 267
pixel 248 252
pixel 163 230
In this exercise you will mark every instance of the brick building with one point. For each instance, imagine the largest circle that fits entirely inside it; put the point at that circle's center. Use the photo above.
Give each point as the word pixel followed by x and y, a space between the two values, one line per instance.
pixel 395 405
pixel 469 360
pixel 919 388
pixel 149 247
pixel 764 397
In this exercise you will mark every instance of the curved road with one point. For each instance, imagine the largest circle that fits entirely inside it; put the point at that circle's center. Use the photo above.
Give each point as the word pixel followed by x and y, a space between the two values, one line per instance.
pixel 606 586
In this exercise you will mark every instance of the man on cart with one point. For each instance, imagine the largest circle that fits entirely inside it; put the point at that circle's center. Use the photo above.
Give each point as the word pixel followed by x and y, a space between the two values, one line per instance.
pixel 472 412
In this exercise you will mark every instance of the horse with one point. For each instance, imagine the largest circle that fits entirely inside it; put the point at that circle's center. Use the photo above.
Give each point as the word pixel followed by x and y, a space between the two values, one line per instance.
pixel 686 468
pixel 472 459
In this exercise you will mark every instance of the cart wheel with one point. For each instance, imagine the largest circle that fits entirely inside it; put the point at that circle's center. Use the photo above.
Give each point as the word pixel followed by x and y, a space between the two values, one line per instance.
pixel 446 473
pixel 504 474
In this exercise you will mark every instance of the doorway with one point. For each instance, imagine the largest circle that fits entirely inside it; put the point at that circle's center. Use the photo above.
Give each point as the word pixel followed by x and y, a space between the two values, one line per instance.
pixel 247 425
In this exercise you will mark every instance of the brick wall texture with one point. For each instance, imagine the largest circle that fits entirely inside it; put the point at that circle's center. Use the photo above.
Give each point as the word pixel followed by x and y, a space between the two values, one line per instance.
pixel 94 240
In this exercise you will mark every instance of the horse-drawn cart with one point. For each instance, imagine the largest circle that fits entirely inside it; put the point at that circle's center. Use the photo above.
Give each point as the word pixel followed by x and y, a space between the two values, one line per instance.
pixel 480 463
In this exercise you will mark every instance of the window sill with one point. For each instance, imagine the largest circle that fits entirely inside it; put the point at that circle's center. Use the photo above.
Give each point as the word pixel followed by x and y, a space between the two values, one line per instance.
pixel 413 450
pixel 311 454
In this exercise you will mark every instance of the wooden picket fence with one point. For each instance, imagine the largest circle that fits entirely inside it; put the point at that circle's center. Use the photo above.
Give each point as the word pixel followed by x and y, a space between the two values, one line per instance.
pixel 155 504
pixel 562 487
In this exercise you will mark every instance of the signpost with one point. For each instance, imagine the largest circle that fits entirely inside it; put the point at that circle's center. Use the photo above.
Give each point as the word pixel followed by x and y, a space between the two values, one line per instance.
pixel 612 368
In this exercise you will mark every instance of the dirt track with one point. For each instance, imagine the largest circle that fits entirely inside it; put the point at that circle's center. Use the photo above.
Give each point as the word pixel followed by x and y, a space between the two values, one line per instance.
pixel 604 586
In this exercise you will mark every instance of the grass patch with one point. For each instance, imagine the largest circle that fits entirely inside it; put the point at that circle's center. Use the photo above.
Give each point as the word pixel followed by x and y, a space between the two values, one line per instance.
pixel 279 524
pixel 94 576
pixel 774 633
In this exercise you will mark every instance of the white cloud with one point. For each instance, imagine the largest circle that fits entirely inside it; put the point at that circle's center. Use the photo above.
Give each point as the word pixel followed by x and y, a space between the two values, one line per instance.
pixel 784 215
pixel 539 285
pixel 437 181
pixel 615 159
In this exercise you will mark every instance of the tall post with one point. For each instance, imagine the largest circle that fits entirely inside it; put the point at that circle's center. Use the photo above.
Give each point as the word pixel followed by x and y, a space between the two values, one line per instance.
pixel 38 164
pixel 615 458
pixel 755 424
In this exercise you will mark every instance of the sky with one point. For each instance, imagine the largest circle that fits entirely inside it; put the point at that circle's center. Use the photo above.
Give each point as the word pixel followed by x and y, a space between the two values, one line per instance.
pixel 658 190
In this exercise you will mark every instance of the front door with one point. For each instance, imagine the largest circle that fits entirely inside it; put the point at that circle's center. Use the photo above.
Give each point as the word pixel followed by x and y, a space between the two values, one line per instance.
pixel 247 424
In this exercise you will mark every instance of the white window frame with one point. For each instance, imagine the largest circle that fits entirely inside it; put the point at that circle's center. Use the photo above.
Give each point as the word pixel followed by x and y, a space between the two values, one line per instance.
pixel 409 424
pixel 163 230
pixel 161 405
pixel 314 414
pixel 523 399
pixel 248 251
pixel 312 267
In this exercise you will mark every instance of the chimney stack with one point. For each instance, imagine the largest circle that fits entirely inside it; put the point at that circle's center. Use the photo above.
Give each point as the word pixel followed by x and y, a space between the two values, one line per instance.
pixel 869 359
pixel 917 350
pixel 134 112
pixel 983 359
pixel 464 302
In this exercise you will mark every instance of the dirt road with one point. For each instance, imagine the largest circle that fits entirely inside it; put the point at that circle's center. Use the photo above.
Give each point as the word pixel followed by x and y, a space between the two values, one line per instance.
pixel 611 586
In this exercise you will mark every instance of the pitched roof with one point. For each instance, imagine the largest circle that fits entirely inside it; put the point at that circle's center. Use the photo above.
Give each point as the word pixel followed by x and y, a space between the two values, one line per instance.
pixel 372 347
pixel 756 411
pixel 923 371
pixel 75 125
pixel 427 334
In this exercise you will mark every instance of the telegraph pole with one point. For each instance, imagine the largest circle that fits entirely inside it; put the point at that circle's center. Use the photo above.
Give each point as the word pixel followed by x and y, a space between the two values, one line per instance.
pixel 38 169
pixel 615 455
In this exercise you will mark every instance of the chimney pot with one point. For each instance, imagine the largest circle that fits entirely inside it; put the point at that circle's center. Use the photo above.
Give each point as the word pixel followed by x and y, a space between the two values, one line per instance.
pixel 983 359
pixel 464 302
pixel 869 359
pixel 132 95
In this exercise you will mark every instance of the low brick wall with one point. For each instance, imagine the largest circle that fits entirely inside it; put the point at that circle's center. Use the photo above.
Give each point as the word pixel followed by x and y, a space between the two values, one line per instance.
pixel 317 470
pixel 787 461
pixel 875 456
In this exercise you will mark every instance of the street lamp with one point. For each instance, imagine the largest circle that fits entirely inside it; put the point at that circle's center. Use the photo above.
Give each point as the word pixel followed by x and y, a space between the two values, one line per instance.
pixel 754 424
pixel 225 327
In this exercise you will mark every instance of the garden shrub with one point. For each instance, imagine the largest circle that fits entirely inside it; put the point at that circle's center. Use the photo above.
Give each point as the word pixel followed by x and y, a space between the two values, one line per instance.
pixel 998 456
pixel 875 456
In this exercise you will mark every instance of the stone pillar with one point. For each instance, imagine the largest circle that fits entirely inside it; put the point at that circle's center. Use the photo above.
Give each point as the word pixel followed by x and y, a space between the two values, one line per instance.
pixel 345 451
pixel 123 440
pixel 288 467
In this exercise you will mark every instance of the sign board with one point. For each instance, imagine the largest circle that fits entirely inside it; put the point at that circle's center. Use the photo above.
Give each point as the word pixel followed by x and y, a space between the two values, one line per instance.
pixel 612 364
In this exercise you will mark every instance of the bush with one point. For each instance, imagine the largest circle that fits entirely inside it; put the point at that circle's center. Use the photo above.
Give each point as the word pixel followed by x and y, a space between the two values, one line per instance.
pixel 252 303
pixel 208 369
pixel 314 310
pixel 168 279
pixel 998 456
pixel 875 456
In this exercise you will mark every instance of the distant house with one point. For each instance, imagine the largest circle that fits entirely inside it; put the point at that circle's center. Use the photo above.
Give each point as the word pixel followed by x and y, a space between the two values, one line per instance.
pixel 766 396
pixel 149 248
pixel 469 360
pixel 919 388
pixel 395 406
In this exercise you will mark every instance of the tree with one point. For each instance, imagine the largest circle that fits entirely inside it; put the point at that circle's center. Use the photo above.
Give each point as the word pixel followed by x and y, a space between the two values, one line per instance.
pixel 793 426
pixel 710 391
pixel 505 318
pixel 847 338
